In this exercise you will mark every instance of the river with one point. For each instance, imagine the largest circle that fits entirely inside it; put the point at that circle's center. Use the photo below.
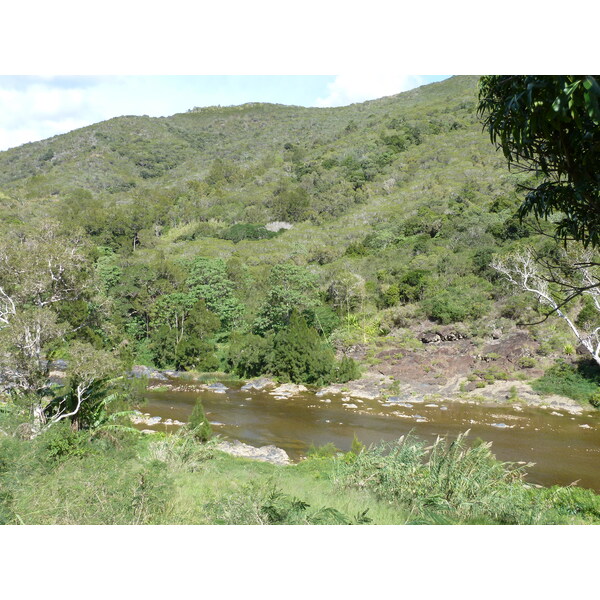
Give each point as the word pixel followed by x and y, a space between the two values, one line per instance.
pixel 564 447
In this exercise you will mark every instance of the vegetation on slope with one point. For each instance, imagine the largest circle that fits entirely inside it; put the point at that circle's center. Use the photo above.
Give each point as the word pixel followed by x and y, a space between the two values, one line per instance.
pixel 258 239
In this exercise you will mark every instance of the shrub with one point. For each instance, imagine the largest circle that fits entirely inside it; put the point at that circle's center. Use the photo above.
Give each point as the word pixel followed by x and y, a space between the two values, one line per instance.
pixel 198 424
pixel 588 316
pixel 193 353
pixel 246 231
pixel 249 354
pixel 448 307
pixel 181 452
pixel 579 382
pixel 466 299
pixel 60 441
pixel 526 362
pixel 574 501
pixel 326 451
pixel 463 480
pixel 324 319
pixel 255 504
pixel 346 370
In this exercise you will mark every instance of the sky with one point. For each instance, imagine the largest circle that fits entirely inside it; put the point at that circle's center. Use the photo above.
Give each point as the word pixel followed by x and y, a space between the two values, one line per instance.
pixel 38 107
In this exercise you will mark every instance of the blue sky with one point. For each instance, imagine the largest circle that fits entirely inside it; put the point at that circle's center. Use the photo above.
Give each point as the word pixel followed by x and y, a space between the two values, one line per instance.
pixel 37 107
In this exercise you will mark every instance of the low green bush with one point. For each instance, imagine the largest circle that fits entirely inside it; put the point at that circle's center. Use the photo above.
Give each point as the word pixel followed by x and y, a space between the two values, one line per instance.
pixel 300 355
pixel 580 381
pixel 255 504
pixel 346 370
pixel 246 231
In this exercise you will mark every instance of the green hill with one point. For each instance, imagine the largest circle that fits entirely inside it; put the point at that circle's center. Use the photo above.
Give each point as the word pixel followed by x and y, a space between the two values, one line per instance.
pixel 392 211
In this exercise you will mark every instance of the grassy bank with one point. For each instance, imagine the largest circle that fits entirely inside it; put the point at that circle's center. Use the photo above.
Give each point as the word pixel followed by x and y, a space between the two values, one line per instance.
pixel 116 476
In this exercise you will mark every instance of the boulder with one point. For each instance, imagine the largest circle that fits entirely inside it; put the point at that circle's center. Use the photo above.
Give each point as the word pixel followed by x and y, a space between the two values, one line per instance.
pixel 271 454
pixel 288 389
pixel 140 371
pixel 144 419
pixel 430 338
pixel 218 388
pixel 258 384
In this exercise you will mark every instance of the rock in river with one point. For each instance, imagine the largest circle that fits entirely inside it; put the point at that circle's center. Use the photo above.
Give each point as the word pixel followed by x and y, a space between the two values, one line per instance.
pixel 258 384
pixel 218 388
pixel 288 389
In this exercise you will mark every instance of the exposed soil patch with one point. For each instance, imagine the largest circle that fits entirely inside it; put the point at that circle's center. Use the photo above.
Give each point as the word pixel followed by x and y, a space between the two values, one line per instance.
pixel 434 364
pixel 447 354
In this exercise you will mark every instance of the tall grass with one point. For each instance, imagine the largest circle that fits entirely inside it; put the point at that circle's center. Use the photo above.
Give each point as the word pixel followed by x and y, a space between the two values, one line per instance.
pixel 452 479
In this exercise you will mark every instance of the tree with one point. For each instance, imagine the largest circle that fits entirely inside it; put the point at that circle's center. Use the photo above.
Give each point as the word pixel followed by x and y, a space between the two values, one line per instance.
pixel 208 280
pixel 86 393
pixel 347 292
pixel 39 271
pixel 550 125
pixel 556 286
pixel 300 355
pixel 290 204
pixel 290 288
pixel 199 425
pixel 181 325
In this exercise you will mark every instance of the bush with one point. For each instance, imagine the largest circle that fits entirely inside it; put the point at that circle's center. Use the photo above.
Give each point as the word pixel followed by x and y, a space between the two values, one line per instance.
pixel 193 353
pixel 324 319
pixel 526 362
pixel 449 307
pixel 60 441
pixel 256 504
pixel 574 501
pixel 580 382
pixel 346 370
pixel 181 452
pixel 466 299
pixel 451 477
pixel 245 231
pixel 325 451
pixel 249 354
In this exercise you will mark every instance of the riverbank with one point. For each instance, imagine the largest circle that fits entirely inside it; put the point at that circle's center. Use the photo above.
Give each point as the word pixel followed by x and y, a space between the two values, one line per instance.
pixel 376 386
pixel 164 479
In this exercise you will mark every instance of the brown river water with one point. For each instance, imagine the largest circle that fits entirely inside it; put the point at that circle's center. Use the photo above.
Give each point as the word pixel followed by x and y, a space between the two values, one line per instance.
pixel 565 448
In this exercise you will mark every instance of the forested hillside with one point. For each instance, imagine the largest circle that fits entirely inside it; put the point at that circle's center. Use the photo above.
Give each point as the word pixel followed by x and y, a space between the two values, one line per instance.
pixel 240 238
pixel 327 247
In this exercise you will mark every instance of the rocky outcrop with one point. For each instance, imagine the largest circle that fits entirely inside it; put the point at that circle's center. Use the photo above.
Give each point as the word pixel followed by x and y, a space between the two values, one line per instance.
pixel 287 390
pixel 370 386
pixel 139 418
pixel 140 371
pixel 270 454
pixel 258 384
pixel 276 226
pixel 443 334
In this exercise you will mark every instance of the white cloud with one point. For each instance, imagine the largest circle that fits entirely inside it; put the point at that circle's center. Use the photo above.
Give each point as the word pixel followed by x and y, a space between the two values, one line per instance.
pixel 39 110
pixel 347 89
